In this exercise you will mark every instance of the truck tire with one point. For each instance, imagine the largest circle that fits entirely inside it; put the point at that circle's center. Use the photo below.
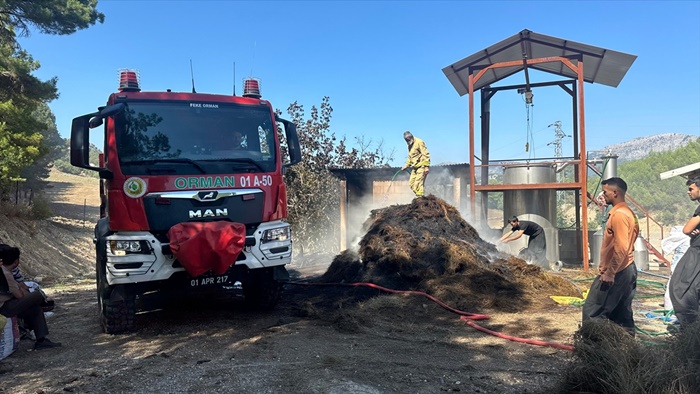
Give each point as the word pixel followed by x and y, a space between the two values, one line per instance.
pixel 117 307
pixel 262 291
pixel 119 317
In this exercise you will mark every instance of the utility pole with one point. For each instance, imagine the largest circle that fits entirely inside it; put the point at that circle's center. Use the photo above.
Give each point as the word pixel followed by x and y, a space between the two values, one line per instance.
pixel 558 136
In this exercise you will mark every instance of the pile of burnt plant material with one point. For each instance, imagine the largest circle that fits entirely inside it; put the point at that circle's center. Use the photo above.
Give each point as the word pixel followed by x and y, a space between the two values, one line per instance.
pixel 607 360
pixel 427 246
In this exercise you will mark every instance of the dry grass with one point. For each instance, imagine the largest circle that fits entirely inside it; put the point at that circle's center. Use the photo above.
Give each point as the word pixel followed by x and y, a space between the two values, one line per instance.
pixel 608 360
pixel 427 246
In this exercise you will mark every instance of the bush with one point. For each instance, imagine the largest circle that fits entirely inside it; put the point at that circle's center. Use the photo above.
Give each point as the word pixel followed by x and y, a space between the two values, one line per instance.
pixel 312 190
pixel 40 208
pixel 12 210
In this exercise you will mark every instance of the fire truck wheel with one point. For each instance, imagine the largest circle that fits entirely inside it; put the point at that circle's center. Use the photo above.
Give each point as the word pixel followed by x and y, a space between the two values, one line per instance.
pixel 119 317
pixel 262 291
pixel 116 306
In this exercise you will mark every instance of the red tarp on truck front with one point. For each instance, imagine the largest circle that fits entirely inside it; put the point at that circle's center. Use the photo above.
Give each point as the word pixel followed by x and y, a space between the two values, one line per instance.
pixel 204 246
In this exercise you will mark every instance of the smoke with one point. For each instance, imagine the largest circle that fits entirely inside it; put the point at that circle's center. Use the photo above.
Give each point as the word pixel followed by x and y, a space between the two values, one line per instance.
pixel 359 211
pixel 455 191
pixel 440 182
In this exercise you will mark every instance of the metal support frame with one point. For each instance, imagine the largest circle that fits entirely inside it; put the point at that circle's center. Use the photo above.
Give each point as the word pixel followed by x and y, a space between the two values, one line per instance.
pixel 579 138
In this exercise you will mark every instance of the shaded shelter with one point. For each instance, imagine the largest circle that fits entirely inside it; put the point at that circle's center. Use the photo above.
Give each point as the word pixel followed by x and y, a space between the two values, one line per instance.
pixel 526 51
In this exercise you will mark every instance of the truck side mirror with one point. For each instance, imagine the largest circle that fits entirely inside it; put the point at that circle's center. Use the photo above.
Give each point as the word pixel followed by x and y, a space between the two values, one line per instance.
pixel 80 141
pixel 290 130
pixel 80 137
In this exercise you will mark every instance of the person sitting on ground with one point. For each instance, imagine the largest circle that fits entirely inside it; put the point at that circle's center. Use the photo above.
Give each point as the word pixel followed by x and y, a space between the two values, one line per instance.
pixel 25 305
pixel 30 286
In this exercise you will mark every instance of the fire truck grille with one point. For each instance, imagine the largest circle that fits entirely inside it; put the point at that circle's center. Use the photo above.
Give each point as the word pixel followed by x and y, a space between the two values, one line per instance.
pixel 163 216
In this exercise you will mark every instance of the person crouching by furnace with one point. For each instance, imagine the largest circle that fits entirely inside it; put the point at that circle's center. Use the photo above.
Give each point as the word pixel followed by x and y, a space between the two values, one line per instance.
pixel 536 245
pixel 419 160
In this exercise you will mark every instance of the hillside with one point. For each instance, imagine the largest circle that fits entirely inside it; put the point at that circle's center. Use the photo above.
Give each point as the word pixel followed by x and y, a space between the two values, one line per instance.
pixel 62 245
pixel 641 147
pixel 627 151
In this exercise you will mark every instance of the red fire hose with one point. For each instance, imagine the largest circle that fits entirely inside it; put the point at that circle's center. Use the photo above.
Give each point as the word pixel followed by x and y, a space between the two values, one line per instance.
pixel 468 317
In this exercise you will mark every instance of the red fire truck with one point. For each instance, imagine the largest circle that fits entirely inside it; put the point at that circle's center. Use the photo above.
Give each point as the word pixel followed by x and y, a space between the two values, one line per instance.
pixel 193 197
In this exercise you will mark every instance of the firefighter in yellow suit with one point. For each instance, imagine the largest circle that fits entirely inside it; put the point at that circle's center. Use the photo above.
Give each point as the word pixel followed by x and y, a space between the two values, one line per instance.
pixel 419 160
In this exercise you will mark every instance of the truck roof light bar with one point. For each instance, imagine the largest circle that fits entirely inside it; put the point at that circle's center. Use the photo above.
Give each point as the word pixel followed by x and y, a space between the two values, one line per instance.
pixel 129 80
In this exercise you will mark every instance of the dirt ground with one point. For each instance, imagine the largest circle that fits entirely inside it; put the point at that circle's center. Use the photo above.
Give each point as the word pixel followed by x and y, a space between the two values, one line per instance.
pixel 320 339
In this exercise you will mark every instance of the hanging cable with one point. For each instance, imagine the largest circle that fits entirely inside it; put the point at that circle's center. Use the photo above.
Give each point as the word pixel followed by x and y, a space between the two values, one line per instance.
pixel 529 115
pixel 531 121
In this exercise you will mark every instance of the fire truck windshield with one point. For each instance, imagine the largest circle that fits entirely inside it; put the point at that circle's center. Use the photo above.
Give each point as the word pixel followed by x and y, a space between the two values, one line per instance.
pixel 195 137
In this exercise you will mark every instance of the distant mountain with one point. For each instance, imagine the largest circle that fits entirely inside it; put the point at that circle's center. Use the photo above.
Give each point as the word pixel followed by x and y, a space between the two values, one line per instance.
pixel 631 150
pixel 640 148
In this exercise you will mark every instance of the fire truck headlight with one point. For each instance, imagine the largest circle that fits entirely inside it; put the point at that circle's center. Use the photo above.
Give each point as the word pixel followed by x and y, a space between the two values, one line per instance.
pixel 277 234
pixel 121 248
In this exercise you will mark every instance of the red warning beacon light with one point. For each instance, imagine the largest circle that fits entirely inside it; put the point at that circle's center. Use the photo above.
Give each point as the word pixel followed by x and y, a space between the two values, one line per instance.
pixel 129 80
pixel 251 88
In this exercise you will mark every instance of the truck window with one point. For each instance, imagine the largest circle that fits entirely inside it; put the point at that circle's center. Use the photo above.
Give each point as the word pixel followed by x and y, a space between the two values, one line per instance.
pixel 209 133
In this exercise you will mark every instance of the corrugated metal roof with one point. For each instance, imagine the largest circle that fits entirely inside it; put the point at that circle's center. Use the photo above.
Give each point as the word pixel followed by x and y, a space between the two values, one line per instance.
pixel 600 65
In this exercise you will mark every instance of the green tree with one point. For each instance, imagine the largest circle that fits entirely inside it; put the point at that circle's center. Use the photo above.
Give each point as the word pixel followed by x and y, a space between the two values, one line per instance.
pixel 52 148
pixel 20 143
pixel 25 125
pixel 21 94
pixel 312 191
pixel 58 17
pixel 665 199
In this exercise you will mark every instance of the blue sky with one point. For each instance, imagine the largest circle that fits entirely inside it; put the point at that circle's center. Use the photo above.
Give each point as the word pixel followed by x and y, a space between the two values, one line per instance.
pixel 381 65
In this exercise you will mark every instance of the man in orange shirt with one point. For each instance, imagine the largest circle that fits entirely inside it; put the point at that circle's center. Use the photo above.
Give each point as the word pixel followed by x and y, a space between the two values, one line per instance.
pixel 612 291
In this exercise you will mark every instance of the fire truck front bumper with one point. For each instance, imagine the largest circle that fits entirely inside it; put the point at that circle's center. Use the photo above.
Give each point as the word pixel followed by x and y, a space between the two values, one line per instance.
pixel 138 256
